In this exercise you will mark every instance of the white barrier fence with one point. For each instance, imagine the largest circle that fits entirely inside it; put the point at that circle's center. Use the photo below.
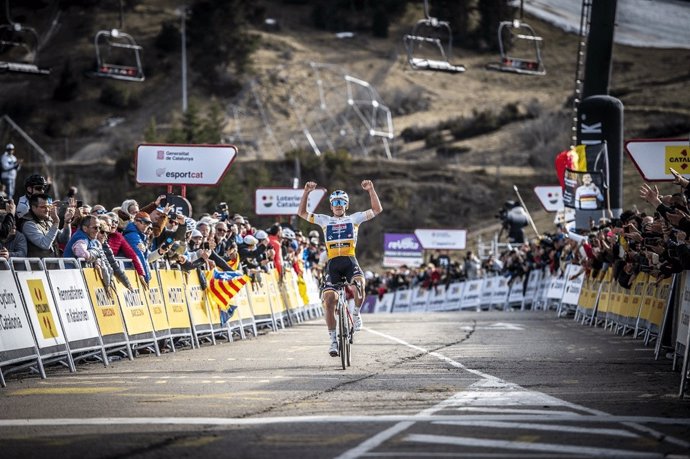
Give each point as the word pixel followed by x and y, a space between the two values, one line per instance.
pixel 54 310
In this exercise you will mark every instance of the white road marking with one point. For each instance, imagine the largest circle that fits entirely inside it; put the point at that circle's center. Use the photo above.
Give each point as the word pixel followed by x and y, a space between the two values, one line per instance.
pixel 486 382
pixel 524 446
pixel 547 427
pixel 323 419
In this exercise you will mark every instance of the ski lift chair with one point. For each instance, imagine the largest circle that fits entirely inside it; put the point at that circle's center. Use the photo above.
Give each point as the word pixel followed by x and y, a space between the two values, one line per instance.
pixel 525 53
pixel 429 45
pixel 18 49
pixel 118 56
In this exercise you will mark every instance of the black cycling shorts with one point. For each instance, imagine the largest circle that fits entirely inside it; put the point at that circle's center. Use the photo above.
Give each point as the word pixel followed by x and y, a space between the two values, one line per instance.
pixel 339 269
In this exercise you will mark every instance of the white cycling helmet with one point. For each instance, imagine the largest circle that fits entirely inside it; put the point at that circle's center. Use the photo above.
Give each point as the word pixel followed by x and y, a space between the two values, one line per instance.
pixel 288 233
pixel 339 196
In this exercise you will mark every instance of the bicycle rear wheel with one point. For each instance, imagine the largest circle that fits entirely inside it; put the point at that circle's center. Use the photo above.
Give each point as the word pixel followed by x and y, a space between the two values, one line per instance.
pixel 348 341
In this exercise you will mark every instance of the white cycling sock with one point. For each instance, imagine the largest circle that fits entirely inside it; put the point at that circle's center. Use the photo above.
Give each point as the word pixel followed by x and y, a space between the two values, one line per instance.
pixel 357 309
pixel 331 333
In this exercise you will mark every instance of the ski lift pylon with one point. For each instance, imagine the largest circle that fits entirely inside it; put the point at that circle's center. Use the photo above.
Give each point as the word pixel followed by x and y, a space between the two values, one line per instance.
pixel 526 59
pixel 431 33
pixel 118 55
pixel 18 47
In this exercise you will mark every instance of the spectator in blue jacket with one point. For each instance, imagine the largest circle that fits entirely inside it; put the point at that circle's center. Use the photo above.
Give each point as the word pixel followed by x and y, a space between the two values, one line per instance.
pixel 135 235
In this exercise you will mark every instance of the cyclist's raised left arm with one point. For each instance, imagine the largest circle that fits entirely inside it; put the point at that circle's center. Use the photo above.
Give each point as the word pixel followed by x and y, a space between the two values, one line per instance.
pixel 368 186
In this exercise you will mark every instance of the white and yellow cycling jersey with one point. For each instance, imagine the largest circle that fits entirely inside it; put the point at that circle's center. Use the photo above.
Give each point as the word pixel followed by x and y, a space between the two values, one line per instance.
pixel 340 233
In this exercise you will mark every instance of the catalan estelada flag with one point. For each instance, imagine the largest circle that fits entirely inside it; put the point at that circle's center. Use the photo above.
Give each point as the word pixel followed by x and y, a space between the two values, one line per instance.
pixel 222 287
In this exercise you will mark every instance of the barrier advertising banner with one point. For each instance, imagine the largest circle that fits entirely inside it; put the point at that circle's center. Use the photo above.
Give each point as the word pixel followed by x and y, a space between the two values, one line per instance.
pixel 72 301
pixel 448 239
pixel 285 201
pixel 183 164
pixel 41 308
pixel 402 249
pixel 173 295
pixel 105 305
pixel 15 332
pixel 135 311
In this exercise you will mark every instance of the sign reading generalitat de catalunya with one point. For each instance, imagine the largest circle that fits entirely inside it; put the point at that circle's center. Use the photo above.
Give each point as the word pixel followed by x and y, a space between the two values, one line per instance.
pixel 448 239
pixel 183 164
pixel 285 201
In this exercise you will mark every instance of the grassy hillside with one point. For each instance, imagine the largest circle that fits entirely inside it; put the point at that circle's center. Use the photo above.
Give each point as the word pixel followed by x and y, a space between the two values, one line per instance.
pixel 434 180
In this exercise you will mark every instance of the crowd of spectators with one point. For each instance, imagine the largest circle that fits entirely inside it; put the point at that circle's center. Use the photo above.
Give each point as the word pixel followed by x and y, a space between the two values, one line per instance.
pixel 636 242
pixel 148 234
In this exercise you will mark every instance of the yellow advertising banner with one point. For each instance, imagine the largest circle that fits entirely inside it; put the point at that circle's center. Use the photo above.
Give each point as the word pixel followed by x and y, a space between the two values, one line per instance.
pixel 291 293
pixel 196 300
pixel 604 298
pixel 678 158
pixel 154 300
pixel 615 298
pixel 172 285
pixel 258 296
pixel 105 306
pixel 663 291
pixel 648 299
pixel 270 281
pixel 40 301
pixel 244 311
pixel 635 296
pixel 135 311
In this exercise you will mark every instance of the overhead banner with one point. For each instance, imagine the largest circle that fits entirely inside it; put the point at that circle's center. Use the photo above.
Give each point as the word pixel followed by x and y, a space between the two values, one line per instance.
pixel 401 249
pixel 284 201
pixel 654 158
pixel 183 164
pixel 448 239
pixel 584 190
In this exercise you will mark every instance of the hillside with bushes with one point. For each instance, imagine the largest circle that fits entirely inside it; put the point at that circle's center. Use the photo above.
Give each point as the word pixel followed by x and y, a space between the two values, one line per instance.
pixel 461 140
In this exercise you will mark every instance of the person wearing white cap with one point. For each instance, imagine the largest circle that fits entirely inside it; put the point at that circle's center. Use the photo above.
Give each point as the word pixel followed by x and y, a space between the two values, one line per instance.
pixel 10 166
pixel 251 253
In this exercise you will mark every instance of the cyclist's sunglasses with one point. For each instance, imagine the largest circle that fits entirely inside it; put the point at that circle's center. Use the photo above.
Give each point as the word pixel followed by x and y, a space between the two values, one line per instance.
pixel 338 202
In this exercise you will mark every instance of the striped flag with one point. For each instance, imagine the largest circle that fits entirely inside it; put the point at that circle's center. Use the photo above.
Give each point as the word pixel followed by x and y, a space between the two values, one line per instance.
pixel 222 287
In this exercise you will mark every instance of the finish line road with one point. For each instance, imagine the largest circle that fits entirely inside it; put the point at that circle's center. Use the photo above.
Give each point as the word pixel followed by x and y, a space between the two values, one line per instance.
pixel 456 384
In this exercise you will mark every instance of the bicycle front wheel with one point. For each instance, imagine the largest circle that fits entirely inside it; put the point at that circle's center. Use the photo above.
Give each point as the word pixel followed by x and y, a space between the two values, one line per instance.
pixel 342 335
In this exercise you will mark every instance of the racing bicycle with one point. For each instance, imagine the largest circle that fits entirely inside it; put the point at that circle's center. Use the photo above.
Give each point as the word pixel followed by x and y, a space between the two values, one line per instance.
pixel 346 329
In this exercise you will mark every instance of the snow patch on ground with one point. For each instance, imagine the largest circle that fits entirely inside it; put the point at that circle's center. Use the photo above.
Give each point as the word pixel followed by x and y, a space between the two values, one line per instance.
pixel 640 23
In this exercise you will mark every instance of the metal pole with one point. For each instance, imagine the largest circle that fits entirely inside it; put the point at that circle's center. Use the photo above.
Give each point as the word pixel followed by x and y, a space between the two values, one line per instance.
pixel 183 32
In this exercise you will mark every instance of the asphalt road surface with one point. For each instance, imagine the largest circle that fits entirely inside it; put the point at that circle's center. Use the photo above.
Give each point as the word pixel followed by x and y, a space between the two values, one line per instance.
pixel 457 384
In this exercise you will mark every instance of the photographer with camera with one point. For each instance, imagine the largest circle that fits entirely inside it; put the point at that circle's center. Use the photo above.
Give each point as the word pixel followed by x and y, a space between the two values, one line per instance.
pixel 513 218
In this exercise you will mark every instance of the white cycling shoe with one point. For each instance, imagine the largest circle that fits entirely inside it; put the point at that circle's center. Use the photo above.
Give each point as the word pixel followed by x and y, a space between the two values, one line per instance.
pixel 333 350
pixel 357 319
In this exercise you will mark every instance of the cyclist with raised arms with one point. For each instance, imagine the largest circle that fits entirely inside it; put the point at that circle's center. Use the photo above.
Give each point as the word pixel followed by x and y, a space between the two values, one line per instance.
pixel 340 236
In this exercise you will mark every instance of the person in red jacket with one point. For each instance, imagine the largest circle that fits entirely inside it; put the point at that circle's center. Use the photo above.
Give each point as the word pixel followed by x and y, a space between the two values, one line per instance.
pixel 119 245
pixel 275 239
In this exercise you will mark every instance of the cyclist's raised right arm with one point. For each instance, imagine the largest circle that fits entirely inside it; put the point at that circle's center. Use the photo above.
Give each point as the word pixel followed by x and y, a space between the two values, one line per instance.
pixel 302 210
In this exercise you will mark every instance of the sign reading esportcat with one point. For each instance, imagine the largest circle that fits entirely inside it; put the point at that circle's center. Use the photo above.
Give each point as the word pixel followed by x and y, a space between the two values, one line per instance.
pixel 183 164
